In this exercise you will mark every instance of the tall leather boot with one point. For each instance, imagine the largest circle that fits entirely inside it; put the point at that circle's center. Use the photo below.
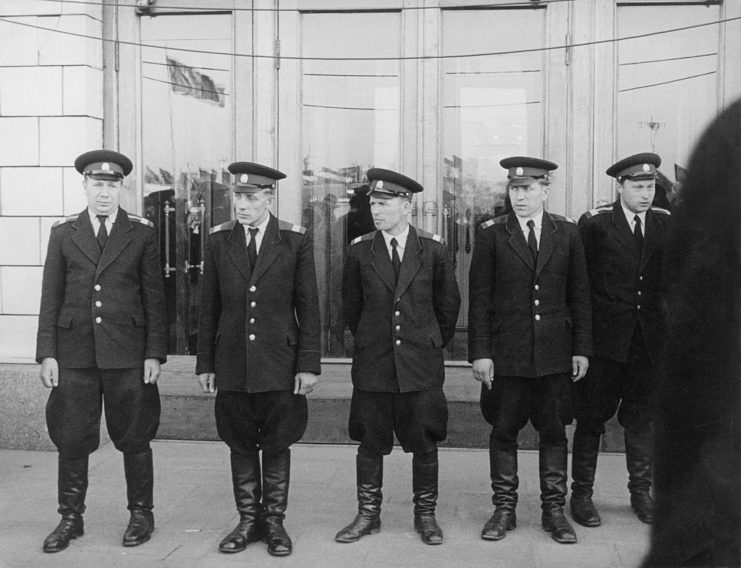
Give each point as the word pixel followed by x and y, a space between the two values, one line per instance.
pixel 504 484
pixel 638 460
pixel 583 468
pixel 369 471
pixel 139 491
pixel 247 485
pixel 553 462
pixel 276 470
pixel 71 490
pixel 424 486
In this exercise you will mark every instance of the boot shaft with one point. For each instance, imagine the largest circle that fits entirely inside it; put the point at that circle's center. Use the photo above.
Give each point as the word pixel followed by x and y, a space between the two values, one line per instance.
pixel 276 473
pixel 139 471
pixel 72 482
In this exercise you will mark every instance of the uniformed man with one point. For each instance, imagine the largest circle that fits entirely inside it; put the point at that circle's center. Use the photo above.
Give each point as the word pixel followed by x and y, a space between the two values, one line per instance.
pixel 102 336
pixel 258 346
pixel 624 244
pixel 529 336
pixel 401 301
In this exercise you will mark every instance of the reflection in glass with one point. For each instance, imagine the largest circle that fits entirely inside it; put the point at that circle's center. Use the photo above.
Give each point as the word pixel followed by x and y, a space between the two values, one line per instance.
pixel 667 84
pixel 350 122
pixel 186 147
pixel 492 108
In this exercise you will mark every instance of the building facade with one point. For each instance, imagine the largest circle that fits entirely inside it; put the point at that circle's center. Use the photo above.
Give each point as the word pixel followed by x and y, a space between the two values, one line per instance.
pixel 440 90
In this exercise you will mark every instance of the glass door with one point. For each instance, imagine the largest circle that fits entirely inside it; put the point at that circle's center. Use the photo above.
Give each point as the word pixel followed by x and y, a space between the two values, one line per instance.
pixel 187 142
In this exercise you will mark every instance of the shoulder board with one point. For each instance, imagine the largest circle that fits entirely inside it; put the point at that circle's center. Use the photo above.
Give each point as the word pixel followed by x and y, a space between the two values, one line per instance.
pixel 661 210
pixel 562 218
pixel 228 226
pixel 286 226
pixel 366 237
pixel 598 211
pixel 142 220
pixel 431 236
pixel 65 220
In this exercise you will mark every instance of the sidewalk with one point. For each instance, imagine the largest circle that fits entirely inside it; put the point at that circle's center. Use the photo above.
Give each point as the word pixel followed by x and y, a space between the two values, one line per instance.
pixel 194 509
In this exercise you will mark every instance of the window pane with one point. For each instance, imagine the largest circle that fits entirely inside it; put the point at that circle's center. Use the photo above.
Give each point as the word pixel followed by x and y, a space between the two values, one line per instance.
pixel 667 84
pixel 350 122
pixel 492 108
pixel 186 147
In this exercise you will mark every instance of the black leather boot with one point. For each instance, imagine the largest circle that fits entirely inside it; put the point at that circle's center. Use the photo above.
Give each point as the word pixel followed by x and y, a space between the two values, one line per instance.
pixel 139 490
pixel 71 488
pixel 583 468
pixel 276 471
pixel 504 483
pixel 247 485
pixel 552 464
pixel 424 486
pixel 369 471
pixel 638 460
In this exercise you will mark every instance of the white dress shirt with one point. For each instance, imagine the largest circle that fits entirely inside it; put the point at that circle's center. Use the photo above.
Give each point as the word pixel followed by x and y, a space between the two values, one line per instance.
pixel 631 217
pixel 108 222
pixel 401 239
pixel 260 233
pixel 538 218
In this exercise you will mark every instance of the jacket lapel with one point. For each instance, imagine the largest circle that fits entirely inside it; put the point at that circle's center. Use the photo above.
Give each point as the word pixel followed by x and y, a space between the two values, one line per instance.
pixel 622 231
pixel 517 241
pixel 411 262
pixel 269 249
pixel 84 237
pixel 238 250
pixel 547 242
pixel 118 240
pixel 381 262
pixel 650 237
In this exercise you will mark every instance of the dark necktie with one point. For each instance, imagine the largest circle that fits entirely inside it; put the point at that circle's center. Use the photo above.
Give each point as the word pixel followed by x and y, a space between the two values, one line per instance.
pixel 395 260
pixel 532 242
pixel 637 233
pixel 102 231
pixel 252 247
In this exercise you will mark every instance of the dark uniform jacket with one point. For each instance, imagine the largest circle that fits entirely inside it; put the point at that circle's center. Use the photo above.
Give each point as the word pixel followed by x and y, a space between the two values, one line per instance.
pixel 104 310
pixel 626 286
pixel 258 328
pixel 530 320
pixel 400 329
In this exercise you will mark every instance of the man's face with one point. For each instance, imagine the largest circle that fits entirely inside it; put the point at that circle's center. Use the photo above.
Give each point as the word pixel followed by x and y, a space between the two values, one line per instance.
pixel 390 214
pixel 252 206
pixel 528 199
pixel 637 195
pixel 103 195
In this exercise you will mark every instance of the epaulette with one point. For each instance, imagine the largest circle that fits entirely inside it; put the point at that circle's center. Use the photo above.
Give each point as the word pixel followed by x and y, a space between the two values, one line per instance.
pixel 661 210
pixel 599 210
pixel 365 237
pixel 142 220
pixel 431 236
pixel 228 226
pixel 286 226
pixel 65 220
pixel 562 218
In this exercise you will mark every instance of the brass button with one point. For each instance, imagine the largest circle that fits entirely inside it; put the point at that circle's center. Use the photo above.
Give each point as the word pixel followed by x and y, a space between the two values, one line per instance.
pixel 98 319
pixel 398 341
pixel 537 302
pixel 252 336
pixel 252 320
pixel 98 304
pixel 253 288
pixel 537 317
pixel 397 313
pixel 398 327
pixel 97 287
pixel 640 293
pixel 537 287
pixel 253 304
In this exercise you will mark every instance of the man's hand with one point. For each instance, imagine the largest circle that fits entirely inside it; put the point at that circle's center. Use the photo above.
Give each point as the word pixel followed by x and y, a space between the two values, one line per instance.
pixel 579 366
pixel 208 382
pixel 304 383
pixel 151 371
pixel 49 372
pixel 483 371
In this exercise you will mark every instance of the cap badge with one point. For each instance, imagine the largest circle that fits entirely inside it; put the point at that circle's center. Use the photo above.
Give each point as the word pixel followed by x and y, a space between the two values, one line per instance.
pixel 243 178
pixel 105 166
pixel 646 168
pixel 379 184
pixel 519 171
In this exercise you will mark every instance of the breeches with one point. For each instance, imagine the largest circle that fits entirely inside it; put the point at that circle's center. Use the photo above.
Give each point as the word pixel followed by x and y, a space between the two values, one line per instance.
pixel 132 410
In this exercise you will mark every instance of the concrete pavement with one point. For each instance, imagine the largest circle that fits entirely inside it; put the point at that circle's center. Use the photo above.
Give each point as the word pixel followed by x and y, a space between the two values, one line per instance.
pixel 194 509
